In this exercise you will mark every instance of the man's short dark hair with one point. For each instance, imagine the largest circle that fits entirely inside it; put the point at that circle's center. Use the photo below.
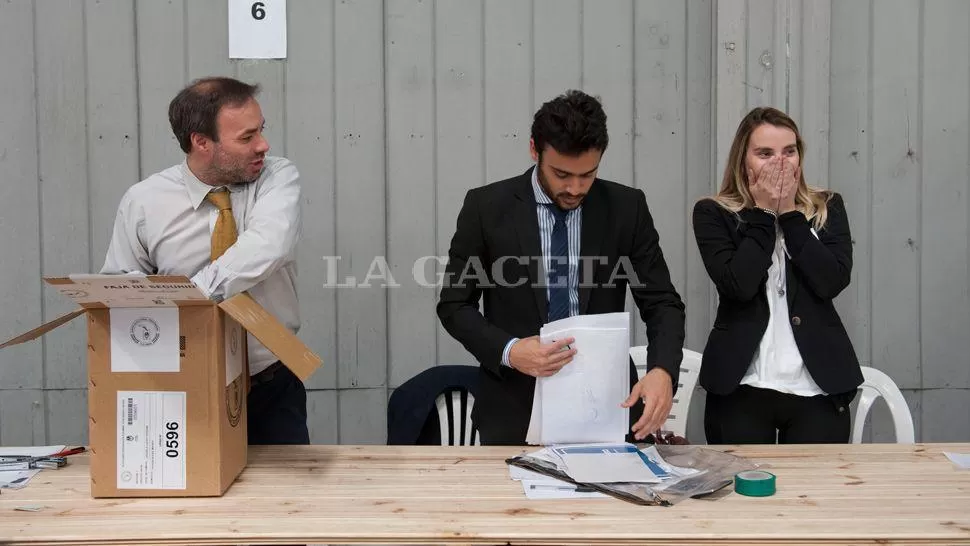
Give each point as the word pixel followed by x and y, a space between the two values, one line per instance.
pixel 195 108
pixel 572 123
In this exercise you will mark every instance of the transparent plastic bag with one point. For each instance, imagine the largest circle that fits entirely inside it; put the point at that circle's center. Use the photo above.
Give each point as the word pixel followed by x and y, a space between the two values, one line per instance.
pixel 715 470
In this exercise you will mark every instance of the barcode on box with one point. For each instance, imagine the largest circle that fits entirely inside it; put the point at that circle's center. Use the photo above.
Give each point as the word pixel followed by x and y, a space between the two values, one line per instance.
pixel 131 411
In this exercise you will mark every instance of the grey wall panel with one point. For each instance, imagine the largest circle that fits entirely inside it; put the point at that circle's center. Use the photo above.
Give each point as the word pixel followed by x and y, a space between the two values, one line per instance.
pixel 896 187
pixel 360 191
pixel 945 122
pixel 411 140
pixel 22 366
pixel 63 176
pixel 310 138
pixel 460 126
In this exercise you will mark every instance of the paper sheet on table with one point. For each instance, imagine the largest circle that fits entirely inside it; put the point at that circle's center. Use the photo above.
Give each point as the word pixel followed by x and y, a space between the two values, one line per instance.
pixel 960 459
pixel 581 403
pixel 16 479
pixel 605 463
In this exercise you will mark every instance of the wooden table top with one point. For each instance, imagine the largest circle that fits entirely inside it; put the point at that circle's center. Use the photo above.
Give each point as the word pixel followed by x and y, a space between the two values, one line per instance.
pixel 839 494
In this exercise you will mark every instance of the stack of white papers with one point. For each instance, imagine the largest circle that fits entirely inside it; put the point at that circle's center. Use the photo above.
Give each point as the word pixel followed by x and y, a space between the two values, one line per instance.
pixel 581 403
pixel 592 464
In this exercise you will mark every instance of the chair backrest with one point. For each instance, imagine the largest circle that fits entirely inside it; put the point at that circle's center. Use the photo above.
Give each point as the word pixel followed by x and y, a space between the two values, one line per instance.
pixel 876 384
pixel 690 367
pixel 455 418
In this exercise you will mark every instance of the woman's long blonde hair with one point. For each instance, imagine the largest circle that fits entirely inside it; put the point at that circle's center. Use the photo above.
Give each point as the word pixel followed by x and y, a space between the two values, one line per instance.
pixel 734 195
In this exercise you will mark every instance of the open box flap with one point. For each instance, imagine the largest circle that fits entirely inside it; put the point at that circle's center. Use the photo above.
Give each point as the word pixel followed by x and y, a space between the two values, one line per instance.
pixel 276 337
pixel 43 328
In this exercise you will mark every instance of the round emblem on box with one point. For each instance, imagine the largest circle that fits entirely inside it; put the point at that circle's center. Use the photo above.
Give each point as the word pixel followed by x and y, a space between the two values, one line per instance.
pixel 144 331
pixel 233 341
pixel 234 401
pixel 126 476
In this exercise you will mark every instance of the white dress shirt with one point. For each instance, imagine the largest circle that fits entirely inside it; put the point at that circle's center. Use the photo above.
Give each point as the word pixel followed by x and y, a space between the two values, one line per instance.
pixel 777 364
pixel 164 227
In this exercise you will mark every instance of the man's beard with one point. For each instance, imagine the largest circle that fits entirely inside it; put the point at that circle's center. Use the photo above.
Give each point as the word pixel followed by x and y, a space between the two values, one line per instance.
pixel 230 171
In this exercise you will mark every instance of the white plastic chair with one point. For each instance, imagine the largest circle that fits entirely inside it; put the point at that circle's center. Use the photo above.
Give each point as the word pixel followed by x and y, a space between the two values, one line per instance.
pixel 878 384
pixel 690 367
pixel 455 418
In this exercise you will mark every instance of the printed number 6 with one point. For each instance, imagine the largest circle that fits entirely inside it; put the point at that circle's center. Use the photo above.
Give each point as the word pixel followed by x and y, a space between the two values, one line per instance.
pixel 258 12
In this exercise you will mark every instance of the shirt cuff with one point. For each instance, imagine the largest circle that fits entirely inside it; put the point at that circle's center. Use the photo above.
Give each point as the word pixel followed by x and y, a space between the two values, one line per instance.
pixel 203 282
pixel 508 349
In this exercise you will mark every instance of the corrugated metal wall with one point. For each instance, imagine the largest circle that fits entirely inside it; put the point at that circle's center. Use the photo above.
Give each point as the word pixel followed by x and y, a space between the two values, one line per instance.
pixel 393 109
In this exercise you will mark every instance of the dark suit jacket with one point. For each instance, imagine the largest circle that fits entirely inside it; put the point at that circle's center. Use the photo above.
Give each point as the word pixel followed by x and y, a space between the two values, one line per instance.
pixel 736 249
pixel 497 225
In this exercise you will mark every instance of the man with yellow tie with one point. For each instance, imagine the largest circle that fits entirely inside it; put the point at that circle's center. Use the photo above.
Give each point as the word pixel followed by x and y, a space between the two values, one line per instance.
pixel 228 217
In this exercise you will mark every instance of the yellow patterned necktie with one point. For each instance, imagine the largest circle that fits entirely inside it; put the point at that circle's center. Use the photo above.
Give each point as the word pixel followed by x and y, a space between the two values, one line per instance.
pixel 224 232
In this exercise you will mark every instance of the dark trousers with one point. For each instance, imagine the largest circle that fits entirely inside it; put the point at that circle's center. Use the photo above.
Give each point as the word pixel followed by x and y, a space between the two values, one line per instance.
pixel 751 415
pixel 277 408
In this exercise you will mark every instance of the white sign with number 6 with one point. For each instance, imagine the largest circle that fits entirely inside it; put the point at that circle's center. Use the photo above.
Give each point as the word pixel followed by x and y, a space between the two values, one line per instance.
pixel 257 30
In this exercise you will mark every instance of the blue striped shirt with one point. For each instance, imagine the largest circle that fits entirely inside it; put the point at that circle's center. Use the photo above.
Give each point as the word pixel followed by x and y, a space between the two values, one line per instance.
pixel 574 222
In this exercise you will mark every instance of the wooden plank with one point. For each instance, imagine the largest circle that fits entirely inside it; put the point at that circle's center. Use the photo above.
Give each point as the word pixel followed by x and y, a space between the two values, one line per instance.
pixel 701 179
pixel 896 243
pixel 946 415
pixel 22 418
pixel 557 43
pixel 161 72
pixel 21 299
pixel 762 58
pixel 360 192
pixel 412 323
pixel 61 117
pixel 660 126
pixel 310 145
pixel 363 416
pixel 113 116
pixel 944 273
pixel 323 416
pixel 459 126
pixel 809 91
pixel 207 37
pixel 850 153
pixel 508 88
pixel 67 416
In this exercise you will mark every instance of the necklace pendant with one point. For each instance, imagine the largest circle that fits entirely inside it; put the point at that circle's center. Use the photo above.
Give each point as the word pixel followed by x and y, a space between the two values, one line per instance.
pixel 781 291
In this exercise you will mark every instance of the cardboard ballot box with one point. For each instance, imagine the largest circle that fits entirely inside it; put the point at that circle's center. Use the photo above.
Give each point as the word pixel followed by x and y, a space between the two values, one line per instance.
pixel 167 381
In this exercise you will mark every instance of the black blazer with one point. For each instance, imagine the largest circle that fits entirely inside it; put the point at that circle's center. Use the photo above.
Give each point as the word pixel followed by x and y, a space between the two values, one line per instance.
pixel 498 228
pixel 736 249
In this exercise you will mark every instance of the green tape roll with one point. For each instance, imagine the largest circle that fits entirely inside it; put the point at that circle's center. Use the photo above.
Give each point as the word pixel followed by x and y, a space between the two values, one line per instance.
pixel 754 483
